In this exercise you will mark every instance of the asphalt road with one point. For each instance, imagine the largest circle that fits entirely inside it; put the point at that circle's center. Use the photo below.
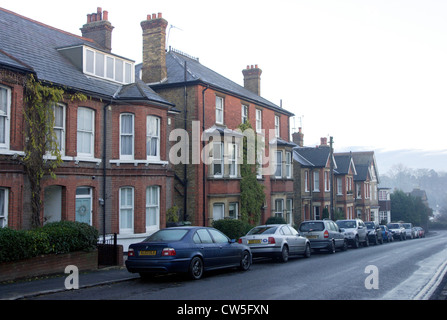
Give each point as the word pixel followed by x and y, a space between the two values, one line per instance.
pixel 404 270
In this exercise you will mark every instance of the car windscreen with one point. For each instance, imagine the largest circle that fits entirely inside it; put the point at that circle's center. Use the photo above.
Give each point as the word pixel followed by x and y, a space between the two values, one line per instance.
pixel 347 224
pixel 393 226
pixel 407 225
pixel 167 235
pixel 263 230
pixel 311 226
pixel 370 225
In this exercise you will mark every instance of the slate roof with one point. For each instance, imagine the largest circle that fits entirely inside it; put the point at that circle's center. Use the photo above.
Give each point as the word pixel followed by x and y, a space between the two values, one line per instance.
pixel 312 157
pixel 343 164
pixel 26 44
pixel 198 73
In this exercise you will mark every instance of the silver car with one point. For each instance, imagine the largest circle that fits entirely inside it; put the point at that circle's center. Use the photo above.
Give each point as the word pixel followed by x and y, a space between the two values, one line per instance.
pixel 411 234
pixel 276 241
pixel 398 230
pixel 355 231
pixel 324 234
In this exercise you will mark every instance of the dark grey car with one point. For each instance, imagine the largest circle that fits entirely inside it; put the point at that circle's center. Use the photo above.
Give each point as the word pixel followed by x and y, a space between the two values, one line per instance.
pixel 323 234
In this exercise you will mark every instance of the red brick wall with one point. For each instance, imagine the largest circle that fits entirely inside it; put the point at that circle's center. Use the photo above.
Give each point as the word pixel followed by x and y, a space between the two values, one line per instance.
pixel 48 265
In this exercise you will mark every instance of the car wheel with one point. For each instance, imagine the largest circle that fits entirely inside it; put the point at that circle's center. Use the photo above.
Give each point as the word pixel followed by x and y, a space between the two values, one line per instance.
pixel 366 242
pixel 284 254
pixel 307 251
pixel 196 268
pixel 245 261
pixel 345 245
pixel 356 242
pixel 332 247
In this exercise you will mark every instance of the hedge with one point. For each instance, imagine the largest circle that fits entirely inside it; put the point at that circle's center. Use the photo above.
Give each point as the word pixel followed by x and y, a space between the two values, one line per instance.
pixel 55 237
pixel 233 228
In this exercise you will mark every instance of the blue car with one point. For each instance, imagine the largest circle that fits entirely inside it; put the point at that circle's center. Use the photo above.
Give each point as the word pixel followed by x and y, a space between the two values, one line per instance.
pixel 386 233
pixel 191 250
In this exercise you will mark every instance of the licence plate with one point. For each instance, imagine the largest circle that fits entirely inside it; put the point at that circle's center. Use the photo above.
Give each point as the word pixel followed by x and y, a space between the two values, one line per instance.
pixel 312 237
pixel 148 253
pixel 254 241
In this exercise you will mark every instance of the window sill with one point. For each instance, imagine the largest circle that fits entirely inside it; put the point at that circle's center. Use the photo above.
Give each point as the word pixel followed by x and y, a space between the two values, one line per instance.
pixel 137 162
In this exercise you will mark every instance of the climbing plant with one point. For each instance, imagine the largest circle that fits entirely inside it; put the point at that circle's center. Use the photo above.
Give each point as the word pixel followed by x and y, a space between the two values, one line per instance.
pixel 42 150
pixel 252 192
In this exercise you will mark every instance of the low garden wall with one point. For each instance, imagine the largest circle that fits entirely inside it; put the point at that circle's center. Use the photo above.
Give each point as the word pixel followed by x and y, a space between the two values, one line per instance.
pixel 48 265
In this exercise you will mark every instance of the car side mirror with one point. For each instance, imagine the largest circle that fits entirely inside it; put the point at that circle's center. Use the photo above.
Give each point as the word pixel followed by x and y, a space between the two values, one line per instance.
pixel 342 230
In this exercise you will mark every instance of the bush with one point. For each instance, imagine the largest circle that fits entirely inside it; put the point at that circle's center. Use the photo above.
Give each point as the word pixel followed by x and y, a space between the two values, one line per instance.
pixel 276 220
pixel 233 228
pixel 56 237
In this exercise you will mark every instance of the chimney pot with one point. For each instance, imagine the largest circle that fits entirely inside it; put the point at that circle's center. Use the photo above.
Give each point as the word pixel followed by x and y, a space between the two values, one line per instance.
pixel 106 15
pixel 89 18
pixel 159 15
pixel 154 16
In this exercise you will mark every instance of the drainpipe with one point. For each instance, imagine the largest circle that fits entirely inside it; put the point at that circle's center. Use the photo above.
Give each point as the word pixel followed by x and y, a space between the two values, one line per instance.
pixel 203 162
pixel 185 177
pixel 104 170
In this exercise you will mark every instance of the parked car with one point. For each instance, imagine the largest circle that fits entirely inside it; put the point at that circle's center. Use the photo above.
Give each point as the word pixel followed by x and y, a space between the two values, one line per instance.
pixel 191 250
pixel 374 232
pixel 421 232
pixel 409 230
pixel 415 232
pixel 386 233
pixel 276 241
pixel 397 230
pixel 324 234
pixel 355 232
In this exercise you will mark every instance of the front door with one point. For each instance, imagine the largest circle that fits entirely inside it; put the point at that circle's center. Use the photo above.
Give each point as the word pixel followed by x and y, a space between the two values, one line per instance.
pixel 84 205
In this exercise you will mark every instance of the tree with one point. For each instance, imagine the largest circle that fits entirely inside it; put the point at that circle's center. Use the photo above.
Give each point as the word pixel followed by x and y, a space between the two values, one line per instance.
pixel 42 152
pixel 252 192
pixel 405 207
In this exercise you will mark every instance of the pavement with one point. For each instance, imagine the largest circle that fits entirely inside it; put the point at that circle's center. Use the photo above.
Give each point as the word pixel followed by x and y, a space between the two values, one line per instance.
pixel 29 288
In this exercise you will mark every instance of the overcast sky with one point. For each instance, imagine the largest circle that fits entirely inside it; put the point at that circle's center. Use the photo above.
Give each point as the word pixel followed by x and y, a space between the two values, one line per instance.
pixel 370 73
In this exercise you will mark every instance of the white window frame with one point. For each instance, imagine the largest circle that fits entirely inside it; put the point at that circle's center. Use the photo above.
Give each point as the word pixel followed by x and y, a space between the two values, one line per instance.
pixel 278 164
pixel 62 128
pixel 121 70
pixel 128 207
pixel 259 164
pixel 235 206
pixel 84 131
pixel 232 160
pixel 288 164
pixel 258 120
pixel 279 208
pixel 132 134
pixel 151 137
pixel 219 110
pixel 152 204
pixel 244 112
pixel 327 186
pixel 306 181
pixel 218 160
pixel 289 211
pixel 222 206
pixel 4 208
pixel 7 117
pixel 277 127
pixel 316 181
pixel 339 186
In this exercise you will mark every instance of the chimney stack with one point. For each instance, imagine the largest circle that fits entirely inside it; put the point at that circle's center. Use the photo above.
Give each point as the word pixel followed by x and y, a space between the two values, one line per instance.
pixel 298 138
pixel 323 142
pixel 252 79
pixel 154 48
pixel 99 29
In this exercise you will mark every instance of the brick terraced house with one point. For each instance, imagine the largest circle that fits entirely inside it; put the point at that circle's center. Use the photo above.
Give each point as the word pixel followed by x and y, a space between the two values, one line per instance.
pixel 115 173
pixel 211 105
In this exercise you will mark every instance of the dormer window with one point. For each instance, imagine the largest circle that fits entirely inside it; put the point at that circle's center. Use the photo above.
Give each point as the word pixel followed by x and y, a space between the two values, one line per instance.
pixel 108 66
pixel 100 64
